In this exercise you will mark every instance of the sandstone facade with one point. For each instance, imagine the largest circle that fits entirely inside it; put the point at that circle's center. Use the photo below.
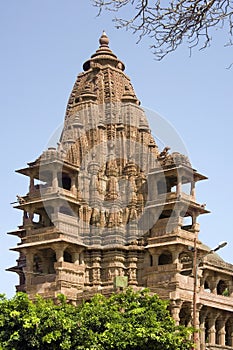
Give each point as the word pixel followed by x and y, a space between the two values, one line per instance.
pixel 106 209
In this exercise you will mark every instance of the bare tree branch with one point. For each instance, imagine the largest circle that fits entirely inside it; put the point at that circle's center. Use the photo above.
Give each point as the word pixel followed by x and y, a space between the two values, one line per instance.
pixel 170 23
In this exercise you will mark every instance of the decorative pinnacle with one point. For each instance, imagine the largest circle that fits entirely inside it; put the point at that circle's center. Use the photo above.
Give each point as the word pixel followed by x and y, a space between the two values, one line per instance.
pixel 104 40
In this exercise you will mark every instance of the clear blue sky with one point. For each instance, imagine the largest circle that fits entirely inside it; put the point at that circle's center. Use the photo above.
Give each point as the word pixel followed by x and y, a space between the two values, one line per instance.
pixel 43 46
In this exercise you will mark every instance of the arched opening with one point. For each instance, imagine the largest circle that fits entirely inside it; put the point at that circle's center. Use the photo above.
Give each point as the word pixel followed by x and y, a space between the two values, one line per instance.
pixel 186 186
pixel 148 260
pixel 43 261
pixel 52 259
pixel 64 181
pixel 187 263
pixel 37 264
pixel 222 288
pixel 162 186
pixel 49 210
pixel 42 217
pixel 36 218
pixel 67 256
pixel 207 330
pixel 39 184
pixel 187 222
pixel 229 331
pixel 185 315
pixel 170 184
pixel 206 287
pixel 66 210
pixel 21 278
pixel 151 260
pixel 165 258
pixel 218 329
pixel 45 179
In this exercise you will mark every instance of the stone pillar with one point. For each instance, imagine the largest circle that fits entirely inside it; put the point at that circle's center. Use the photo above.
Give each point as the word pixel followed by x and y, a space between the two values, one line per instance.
pixel 175 256
pixel 153 187
pixel 31 216
pixel 231 339
pixel 178 187
pixel 132 264
pixel 28 271
pixel 175 310
pixel 31 185
pixel 28 223
pixel 202 283
pixel 193 190
pixel 73 184
pixel 213 285
pixel 76 258
pixel 179 176
pixel 27 220
pixel 155 256
pixel 55 180
pixel 198 325
pixel 45 263
pixel 231 289
pixel 202 335
pixel 30 261
pixel 96 265
pixel 60 254
pixel 81 258
pixel 194 221
pixel 222 333
pixel 212 331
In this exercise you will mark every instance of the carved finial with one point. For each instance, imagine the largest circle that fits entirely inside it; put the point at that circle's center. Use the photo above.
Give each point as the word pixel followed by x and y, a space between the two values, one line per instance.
pixel 104 40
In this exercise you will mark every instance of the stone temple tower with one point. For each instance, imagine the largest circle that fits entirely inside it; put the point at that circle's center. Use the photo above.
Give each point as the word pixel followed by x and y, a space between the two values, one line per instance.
pixel 107 209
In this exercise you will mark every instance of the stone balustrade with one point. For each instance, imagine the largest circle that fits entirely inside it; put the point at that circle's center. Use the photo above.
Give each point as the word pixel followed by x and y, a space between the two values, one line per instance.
pixel 66 224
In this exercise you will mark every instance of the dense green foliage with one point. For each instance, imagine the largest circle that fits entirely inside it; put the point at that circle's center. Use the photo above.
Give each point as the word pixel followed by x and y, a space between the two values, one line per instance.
pixel 130 320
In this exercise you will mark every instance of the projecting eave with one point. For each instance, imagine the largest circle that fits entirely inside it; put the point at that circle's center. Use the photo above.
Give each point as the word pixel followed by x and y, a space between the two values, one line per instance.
pixel 38 169
pixel 177 240
pixel 26 171
pixel 169 204
pixel 44 243
pixel 14 269
pixel 163 244
pixel 18 233
pixel 220 266
pixel 188 171
pixel 198 177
